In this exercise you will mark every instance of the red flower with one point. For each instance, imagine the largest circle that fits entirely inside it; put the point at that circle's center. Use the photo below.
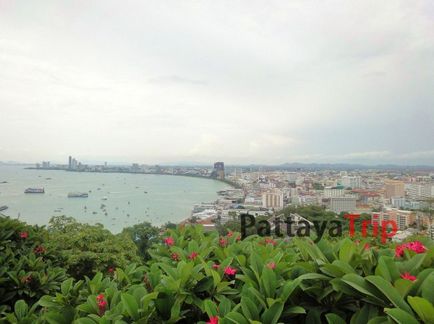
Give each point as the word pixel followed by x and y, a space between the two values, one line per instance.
pixel 230 271
pixel 24 235
pixel 408 276
pixel 223 242
pixel 39 250
pixel 174 256
pixel 215 266
pixel 415 246
pixel 270 241
pixel 111 270
pixel 367 246
pixel 399 251
pixel 102 303
pixel 230 234
pixel 169 241
pixel 213 320
pixel 193 255
pixel 238 238
pixel 271 265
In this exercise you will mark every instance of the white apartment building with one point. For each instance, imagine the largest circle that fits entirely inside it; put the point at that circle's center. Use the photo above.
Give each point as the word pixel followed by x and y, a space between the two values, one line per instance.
pixel 420 190
pixel 330 192
pixel 342 204
pixel 272 199
pixel 351 181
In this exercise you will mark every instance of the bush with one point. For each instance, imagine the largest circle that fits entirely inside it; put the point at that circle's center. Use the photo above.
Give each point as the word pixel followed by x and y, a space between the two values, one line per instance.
pixel 193 277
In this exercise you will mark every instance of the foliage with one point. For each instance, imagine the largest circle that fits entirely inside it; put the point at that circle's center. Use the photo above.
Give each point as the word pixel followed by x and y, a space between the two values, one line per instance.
pixel 143 235
pixel 84 249
pixel 195 276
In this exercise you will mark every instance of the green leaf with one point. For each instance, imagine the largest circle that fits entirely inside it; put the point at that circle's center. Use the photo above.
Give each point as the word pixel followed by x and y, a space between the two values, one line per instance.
pixel 268 282
pixel 400 316
pixel 66 286
pixel 236 318
pixel 364 314
pixel 423 308
pixel 21 309
pixel 391 293
pixel 210 308
pixel 427 288
pixel 387 269
pixel 334 319
pixel 130 305
pixel 250 309
pixel 272 315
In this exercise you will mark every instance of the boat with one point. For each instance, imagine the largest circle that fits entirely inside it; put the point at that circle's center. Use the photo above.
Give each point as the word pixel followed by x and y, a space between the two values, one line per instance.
pixel 104 198
pixel 78 195
pixel 3 208
pixel 34 190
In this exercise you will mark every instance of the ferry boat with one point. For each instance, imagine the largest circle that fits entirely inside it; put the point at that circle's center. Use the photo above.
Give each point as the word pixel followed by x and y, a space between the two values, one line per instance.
pixel 34 190
pixel 78 195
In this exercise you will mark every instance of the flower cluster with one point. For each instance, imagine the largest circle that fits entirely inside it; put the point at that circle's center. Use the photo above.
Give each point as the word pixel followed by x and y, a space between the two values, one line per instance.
pixel 213 320
pixel 223 242
pixel 230 271
pixel 408 276
pixel 174 256
pixel 193 255
pixel 169 241
pixel 24 235
pixel 102 303
pixel 415 246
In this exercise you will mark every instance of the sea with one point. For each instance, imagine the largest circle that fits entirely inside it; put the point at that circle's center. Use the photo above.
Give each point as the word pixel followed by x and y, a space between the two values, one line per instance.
pixel 116 200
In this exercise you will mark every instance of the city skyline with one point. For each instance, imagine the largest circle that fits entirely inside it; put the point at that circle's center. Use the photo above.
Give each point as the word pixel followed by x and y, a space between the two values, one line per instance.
pixel 245 82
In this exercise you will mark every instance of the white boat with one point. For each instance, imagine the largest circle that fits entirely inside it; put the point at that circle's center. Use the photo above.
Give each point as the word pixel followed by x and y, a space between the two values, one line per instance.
pixel 78 195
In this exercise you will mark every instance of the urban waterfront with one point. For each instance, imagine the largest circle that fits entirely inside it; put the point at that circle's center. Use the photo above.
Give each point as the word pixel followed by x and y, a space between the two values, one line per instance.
pixel 116 200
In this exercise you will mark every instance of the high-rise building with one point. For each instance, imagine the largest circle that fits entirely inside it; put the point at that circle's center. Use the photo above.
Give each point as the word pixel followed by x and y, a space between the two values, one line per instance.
pixel 394 188
pixel 219 170
pixel 272 199
pixel 420 191
pixel 351 181
pixel 333 192
pixel 70 162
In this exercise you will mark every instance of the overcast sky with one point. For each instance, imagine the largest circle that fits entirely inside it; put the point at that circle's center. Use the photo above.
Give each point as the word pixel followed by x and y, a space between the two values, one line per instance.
pixel 203 81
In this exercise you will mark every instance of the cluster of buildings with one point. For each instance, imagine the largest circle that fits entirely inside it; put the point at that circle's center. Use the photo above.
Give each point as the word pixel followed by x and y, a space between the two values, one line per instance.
pixel 403 196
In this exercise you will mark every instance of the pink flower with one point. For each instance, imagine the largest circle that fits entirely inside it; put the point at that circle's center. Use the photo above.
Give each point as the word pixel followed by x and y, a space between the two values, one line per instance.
pixel 102 304
pixel 100 297
pixel 408 276
pixel 271 265
pixel 24 235
pixel 174 256
pixel 270 241
pixel 367 246
pixel 230 271
pixel 399 251
pixel 213 320
pixel 238 238
pixel 415 246
pixel 230 234
pixel 215 266
pixel 111 270
pixel 169 241
pixel 193 255
pixel 223 242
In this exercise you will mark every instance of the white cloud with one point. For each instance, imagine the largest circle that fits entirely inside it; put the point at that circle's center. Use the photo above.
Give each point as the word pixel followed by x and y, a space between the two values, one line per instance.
pixel 243 81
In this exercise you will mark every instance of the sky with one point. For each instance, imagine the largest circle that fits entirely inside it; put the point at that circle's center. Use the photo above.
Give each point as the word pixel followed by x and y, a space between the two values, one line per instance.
pixel 202 81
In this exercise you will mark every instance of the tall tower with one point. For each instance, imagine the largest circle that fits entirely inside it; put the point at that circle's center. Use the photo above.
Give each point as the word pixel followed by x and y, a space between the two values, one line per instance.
pixel 219 170
pixel 70 162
